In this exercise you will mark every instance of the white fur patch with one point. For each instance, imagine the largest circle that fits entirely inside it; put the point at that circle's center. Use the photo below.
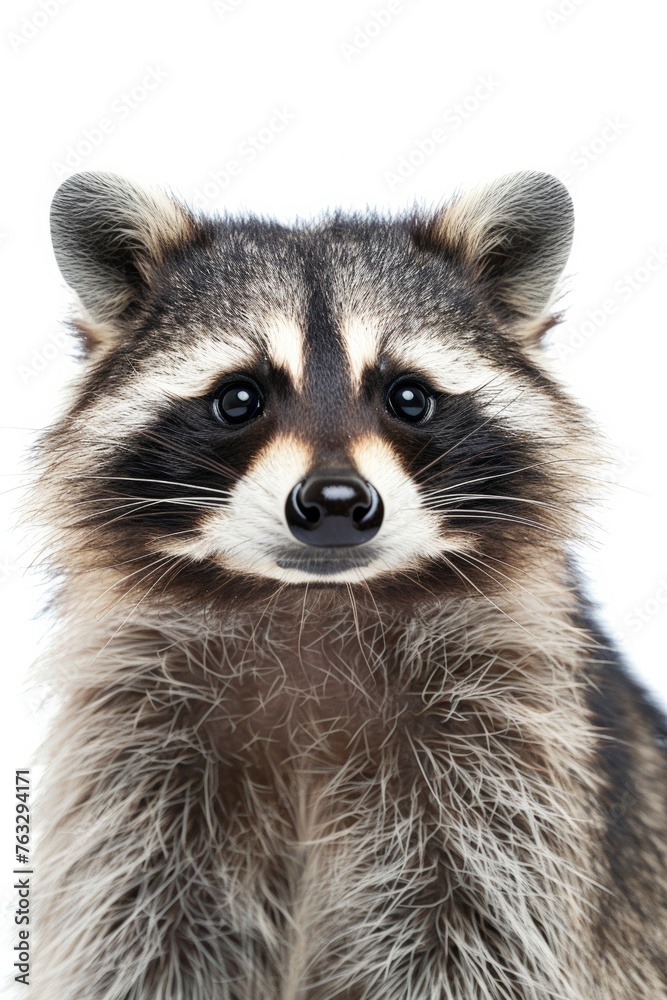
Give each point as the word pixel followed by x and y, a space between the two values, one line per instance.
pixel 361 339
pixel 193 368
pixel 285 342
pixel 453 369
pixel 244 534
pixel 184 371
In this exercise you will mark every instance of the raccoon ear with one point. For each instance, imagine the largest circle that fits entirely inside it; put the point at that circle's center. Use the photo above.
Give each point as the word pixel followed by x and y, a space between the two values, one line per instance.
pixel 513 237
pixel 109 236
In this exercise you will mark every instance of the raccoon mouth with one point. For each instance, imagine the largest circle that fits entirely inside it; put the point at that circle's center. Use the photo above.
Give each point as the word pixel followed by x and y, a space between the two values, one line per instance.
pixel 322 565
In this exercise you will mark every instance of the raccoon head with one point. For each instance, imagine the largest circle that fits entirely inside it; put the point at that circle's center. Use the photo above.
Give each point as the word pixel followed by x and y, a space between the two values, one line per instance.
pixel 357 400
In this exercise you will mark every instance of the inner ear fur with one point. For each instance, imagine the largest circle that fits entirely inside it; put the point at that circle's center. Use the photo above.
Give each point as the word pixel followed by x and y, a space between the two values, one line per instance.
pixel 512 236
pixel 110 235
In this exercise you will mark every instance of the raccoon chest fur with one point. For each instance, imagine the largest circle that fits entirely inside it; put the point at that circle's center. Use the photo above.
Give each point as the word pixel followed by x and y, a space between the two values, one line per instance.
pixel 296 698
pixel 330 787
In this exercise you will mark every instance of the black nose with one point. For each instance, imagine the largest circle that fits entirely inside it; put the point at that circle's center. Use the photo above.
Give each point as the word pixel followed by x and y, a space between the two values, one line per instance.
pixel 334 508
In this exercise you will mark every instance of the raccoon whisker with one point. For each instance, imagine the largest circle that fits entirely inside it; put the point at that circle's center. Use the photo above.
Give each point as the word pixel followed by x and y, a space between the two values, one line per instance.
pixel 452 510
pixel 142 569
pixel 559 508
pixel 192 486
pixel 153 437
pixel 301 624
pixel 454 498
pixel 500 446
pixel 468 398
pixel 214 464
pixel 274 597
pixel 177 568
pixel 485 385
pixel 208 502
pixel 426 444
pixel 491 450
pixel 465 437
pixel 177 560
pixel 502 562
pixel 381 655
pixel 489 571
pixel 162 482
pixel 479 514
pixel 411 575
pixel 146 572
pixel 467 579
pixel 416 456
pixel 229 550
pixel 498 475
pixel 377 610
pixel 18 427
pixel 144 555
pixel 12 489
pixel 135 508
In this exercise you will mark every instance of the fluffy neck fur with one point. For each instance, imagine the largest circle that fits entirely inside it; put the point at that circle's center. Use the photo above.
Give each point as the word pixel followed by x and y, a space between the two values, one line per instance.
pixel 217 796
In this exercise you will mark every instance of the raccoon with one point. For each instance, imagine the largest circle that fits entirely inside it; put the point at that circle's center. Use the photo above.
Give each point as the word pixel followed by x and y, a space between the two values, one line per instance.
pixel 335 719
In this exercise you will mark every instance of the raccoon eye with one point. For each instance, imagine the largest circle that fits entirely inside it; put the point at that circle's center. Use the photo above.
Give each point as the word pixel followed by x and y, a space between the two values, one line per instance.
pixel 237 402
pixel 409 400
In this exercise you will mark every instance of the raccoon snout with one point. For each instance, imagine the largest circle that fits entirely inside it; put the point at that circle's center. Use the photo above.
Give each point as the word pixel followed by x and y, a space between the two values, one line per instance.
pixel 334 508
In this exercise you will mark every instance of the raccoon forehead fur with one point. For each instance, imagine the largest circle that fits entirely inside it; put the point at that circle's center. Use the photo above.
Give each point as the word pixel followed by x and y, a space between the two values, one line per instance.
pixel 392 759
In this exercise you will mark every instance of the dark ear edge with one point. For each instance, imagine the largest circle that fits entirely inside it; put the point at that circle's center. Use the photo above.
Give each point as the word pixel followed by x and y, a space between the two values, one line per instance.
pixel 110 235
pixel 513 237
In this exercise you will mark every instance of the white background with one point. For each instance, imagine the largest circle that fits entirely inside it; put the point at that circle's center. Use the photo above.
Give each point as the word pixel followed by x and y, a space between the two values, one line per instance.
pixel 170 93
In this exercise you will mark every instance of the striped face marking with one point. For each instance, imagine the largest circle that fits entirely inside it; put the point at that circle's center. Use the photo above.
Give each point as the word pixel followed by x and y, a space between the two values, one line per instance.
pixel 329 364
pixel 251 534
pixel 321 418
pixel 284 340
pixel 450 368
pixel 192 367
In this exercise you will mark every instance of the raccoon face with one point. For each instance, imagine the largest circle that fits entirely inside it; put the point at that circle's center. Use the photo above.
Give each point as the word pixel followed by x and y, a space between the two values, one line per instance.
pixel 354 401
